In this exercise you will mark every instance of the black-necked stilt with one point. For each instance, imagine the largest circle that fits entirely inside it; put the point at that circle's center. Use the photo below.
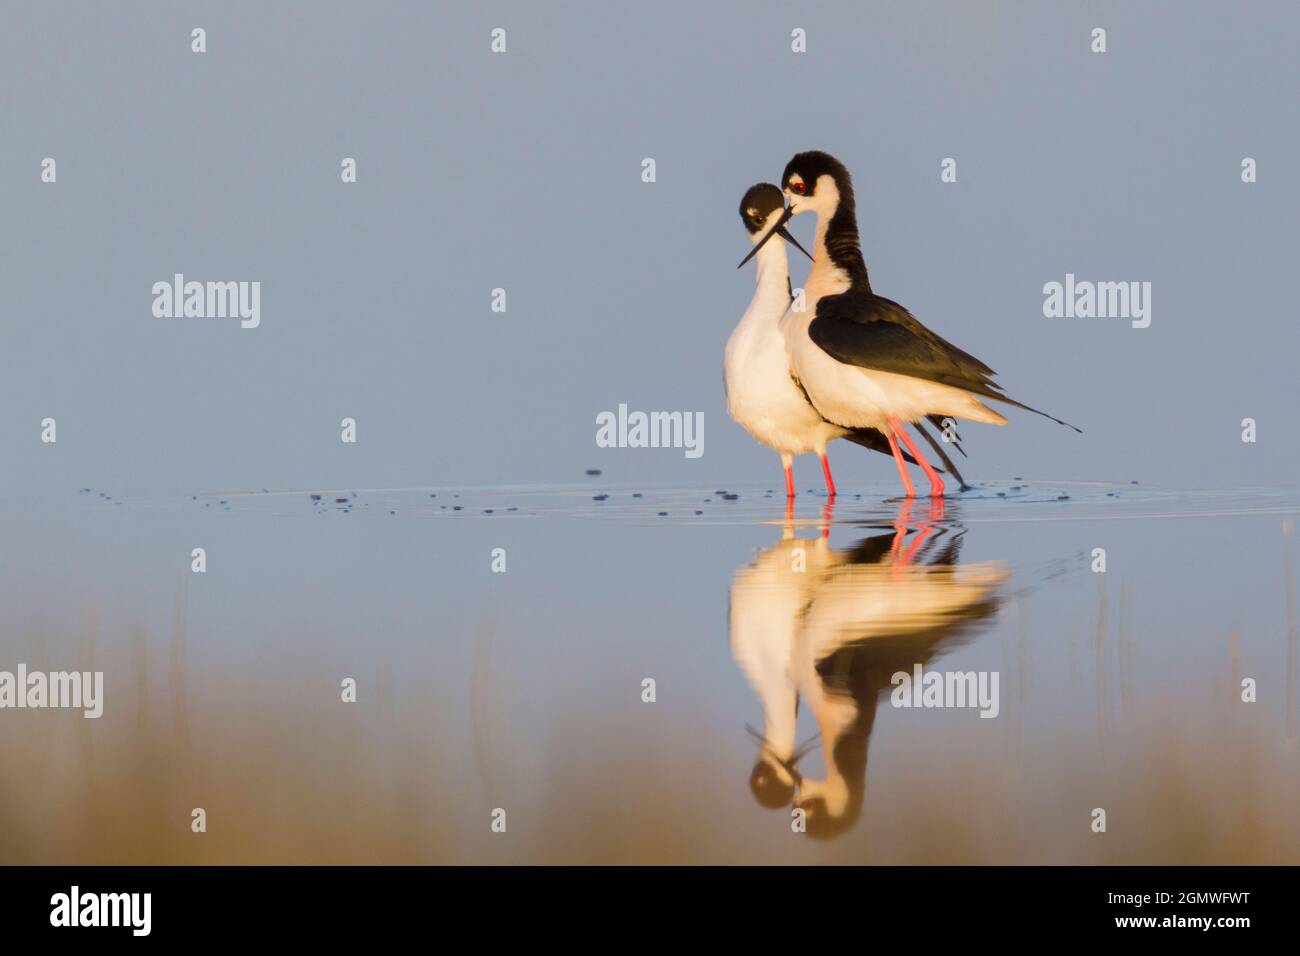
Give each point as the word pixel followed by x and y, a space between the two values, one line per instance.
pixel 832 638
pixel 863 360
pixel 762 394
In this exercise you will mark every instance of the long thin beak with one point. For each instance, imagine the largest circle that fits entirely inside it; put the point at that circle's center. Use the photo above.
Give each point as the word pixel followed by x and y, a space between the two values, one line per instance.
pixel 785 234
pixel 778 228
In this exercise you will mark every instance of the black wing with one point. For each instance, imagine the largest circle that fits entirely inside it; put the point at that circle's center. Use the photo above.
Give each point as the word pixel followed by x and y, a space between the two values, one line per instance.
pixel 869 331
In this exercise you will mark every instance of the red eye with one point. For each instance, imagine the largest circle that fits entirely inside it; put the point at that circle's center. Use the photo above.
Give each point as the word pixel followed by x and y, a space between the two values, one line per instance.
pixel 797 188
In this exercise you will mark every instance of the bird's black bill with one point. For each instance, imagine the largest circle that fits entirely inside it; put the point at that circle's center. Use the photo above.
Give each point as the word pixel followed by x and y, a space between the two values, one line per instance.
pixel 785 234
pixel 778 228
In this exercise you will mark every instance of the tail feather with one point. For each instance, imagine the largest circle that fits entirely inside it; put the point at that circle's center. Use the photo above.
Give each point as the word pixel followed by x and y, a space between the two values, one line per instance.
pixel 992 391
pixel 938 422
pixel 943 456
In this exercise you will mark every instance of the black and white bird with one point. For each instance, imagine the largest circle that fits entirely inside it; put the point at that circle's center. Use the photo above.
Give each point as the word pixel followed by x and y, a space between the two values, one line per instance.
pixel 762 395
pixel 832 636
pixel 862 359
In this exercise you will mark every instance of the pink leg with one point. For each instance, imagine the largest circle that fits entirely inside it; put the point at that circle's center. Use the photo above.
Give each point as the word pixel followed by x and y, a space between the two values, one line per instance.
pixel 789 481
pixel 923 531
pixel 902 465
pixel 826 470
pixel 828 515
pixel 936 483
pixel 901 521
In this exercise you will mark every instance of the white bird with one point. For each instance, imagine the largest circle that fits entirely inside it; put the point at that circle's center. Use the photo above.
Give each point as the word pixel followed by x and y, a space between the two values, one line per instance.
pixel 862 359
pixel 764 615
pixel 762 395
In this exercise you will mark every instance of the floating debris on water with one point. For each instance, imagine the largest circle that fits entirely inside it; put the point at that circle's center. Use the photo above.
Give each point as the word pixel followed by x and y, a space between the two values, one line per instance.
pixel 593 471
pixel 746 503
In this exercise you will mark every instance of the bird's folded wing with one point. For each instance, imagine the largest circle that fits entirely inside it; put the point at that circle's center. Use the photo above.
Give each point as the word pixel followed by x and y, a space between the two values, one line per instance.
pixel 872 332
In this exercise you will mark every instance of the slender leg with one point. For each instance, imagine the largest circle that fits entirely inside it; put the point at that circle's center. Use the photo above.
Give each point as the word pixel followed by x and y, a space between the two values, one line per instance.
pixel 936 483
pixel 943 455
pixel 826 470
pixel 788 461
pixel 922 532
pixel 901 521
pixel 902 468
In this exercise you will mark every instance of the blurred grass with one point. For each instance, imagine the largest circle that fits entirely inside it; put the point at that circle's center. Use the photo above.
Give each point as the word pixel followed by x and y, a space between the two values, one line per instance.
pixel 289 774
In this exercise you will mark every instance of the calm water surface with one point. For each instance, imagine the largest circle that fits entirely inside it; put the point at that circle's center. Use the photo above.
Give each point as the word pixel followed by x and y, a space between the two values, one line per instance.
pixel 771 641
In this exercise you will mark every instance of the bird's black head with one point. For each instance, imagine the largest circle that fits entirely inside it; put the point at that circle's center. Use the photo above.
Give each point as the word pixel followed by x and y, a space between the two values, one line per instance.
pixel 764 214
pixel 771 787
pixel 761 200
pixel 816 181
pixel 820 824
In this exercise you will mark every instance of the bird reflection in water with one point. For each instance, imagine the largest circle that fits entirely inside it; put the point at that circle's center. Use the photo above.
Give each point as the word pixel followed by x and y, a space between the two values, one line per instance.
pixel 829 628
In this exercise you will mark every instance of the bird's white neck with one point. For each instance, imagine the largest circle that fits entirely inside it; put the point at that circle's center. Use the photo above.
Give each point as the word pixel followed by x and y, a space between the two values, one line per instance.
pixel 773 267
pixel 825 277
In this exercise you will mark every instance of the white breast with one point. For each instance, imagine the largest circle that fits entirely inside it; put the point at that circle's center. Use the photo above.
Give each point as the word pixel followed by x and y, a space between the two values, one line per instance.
pixel 761 395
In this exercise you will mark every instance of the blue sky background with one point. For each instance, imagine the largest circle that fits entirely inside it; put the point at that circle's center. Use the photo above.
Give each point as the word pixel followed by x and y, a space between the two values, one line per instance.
pixel 522 171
